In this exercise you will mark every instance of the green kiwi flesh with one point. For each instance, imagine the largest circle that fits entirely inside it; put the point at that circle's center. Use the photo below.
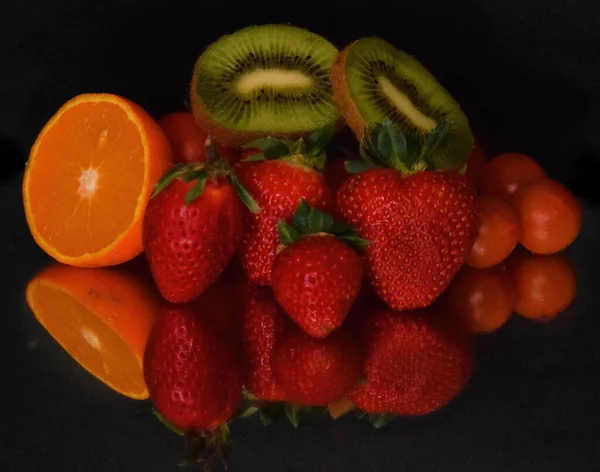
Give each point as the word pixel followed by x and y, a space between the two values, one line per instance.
pixel 384 82
pixel 271 79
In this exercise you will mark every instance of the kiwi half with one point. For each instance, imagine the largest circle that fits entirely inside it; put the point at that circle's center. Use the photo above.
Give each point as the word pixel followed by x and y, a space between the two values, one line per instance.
pixel 264 80
pixel 373 81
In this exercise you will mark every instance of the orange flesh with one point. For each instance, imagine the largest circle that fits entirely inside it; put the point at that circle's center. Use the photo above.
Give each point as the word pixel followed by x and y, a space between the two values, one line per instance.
pixel 88 339
pixel 98 177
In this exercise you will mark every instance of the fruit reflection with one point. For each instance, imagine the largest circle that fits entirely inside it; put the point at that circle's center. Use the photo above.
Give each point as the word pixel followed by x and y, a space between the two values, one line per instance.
pixel 537 287
pixel 193 378
pixel 263 321
pixel 482 299
pixel 101 317
pixel 316 372
pixel 416 363
pixel 545 284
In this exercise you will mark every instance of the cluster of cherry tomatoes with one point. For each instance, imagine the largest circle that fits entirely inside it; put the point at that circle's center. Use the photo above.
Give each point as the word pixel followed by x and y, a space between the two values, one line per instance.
pixel 516 264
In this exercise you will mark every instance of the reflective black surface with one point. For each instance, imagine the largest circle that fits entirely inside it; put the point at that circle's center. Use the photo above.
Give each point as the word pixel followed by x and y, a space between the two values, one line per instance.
pixel 525 73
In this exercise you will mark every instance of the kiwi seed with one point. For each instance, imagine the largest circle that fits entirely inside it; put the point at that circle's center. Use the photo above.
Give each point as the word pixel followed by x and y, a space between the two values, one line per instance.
pixel 373 81
pixel 264 80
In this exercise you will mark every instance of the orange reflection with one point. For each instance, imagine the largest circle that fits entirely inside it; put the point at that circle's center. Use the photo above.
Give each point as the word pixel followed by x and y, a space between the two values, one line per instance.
pixel 101 317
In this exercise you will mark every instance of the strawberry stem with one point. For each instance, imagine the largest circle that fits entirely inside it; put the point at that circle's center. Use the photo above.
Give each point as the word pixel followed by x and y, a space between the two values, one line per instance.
pixel 310 151
pixel 201 172
pixel 308 220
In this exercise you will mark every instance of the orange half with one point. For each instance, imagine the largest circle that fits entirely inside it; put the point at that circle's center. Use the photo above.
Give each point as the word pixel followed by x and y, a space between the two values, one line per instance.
pixel 101 317
pixel 89 177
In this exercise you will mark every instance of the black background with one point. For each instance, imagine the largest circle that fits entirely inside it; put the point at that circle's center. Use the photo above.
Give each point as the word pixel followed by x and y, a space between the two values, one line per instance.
pixel 527 73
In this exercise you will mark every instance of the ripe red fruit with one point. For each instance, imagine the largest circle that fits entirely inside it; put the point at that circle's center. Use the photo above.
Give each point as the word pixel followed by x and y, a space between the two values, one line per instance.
pixel 545 285
pixel 277 186
pixel 317 275
pixel 475 164
pixel 414 364
pixel 420 227
pixel 504 174
pixel 263 322
pixel 549 216
pixel 191 231
pixel 188 142
pixel 498 233
pixel 193 378
pixel 316 372
pixel 482 299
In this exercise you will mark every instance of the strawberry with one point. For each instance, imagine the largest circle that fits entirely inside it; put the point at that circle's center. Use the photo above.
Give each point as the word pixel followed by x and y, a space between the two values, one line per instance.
pixel 192 227
pixel 421 224
pixel 317 276
pixel 263 321
pixel 316 372
pixel 414 364
pixel 278 178
pixel 192 376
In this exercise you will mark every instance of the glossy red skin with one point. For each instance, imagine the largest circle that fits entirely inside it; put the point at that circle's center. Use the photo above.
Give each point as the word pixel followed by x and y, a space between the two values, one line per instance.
pixel 549 215
pixel 316 372
pixel 278 187
pixel 482 299
pixel 263 321
pixel 188 141
pixel 420 228
pixel 413 366
pixel 316 281
pixel 192 376
pixel 475 164
pixel 545 285
pixel 497 236
pixel 506 173
pixel 188 247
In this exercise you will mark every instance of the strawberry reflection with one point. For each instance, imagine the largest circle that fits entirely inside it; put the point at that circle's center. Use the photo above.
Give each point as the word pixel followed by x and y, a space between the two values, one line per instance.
pixel 262 321
pixel 101 317
pixel 416 362
pixel 316 372
pixel 286 370
pixel 194 378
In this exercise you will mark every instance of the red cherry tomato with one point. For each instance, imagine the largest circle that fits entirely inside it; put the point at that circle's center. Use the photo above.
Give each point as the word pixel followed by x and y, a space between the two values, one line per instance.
pixel 549 216
pixel 498 233
pixel 504 174
pixel 545 285
pixel 475 164
pixel 481 299
pixel 188 142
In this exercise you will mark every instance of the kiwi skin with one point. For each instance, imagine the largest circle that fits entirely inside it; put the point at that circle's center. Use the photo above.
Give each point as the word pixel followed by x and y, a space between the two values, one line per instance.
pixel 342 97
pixel 341 94
pixel 232 138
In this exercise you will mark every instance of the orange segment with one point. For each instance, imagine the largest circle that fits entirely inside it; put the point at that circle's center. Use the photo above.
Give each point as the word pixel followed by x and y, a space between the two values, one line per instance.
pixel 89 177
pixel 101 317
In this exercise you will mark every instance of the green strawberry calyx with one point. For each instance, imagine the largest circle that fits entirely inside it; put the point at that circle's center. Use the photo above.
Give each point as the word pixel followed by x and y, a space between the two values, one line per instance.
pixel 202 446
pixel 214 168
pixel 308 220
pixel 270 411
pixel 309 152
pixel 384 145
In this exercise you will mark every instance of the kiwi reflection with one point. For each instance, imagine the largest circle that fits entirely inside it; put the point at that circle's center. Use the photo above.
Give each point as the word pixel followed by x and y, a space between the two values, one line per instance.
pixel 101 317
